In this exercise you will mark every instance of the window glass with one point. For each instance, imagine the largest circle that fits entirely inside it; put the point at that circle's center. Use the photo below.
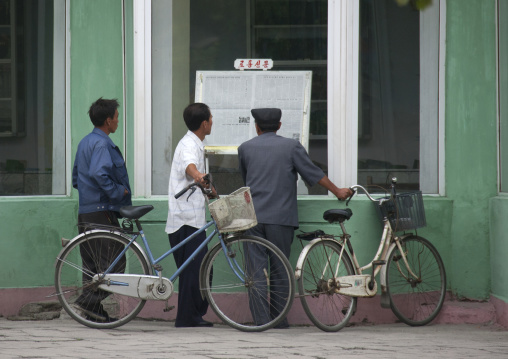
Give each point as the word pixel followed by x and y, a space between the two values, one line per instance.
pixel 291 33
pixel 26 100
pixel 389 95
pixel 210 36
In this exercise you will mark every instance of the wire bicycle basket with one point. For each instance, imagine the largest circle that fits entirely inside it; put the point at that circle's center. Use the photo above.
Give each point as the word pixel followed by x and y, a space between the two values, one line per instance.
pixel 235 212
pixel 405 212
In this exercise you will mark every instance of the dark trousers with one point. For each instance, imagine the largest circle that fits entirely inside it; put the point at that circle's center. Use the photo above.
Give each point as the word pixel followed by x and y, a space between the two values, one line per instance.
pixel 264 309
pixel 97 255
pixel 191 306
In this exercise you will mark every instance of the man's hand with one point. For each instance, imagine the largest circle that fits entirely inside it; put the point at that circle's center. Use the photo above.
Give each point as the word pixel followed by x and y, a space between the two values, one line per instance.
pixel 343 193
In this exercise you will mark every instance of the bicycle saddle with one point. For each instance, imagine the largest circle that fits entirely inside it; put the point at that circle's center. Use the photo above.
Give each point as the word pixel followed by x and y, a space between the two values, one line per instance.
pixel 135 212
pixel 337 215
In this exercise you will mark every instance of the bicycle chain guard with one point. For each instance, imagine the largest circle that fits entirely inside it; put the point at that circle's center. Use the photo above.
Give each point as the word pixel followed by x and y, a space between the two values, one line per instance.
pixel 356 285
pixel 146 287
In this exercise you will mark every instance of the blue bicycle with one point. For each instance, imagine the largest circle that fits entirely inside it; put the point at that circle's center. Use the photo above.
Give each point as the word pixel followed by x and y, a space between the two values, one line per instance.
pixel 124 276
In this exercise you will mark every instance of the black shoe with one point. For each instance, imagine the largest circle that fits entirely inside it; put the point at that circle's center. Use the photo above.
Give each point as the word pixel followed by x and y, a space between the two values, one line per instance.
pixel 95 314
pixel 204 323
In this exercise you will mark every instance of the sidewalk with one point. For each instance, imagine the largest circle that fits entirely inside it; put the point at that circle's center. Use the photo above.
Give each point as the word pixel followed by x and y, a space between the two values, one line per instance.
pixel 64 338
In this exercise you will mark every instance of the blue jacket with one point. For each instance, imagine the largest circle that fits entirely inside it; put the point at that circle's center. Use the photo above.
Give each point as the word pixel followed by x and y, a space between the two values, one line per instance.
pixel 100 175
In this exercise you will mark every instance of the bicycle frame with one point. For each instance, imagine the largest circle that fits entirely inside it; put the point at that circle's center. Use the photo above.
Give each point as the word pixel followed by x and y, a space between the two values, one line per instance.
pixel 154 261
pixel 386 246
pixel 382 251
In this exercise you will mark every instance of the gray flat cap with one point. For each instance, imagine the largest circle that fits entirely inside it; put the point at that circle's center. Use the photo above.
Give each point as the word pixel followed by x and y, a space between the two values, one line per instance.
pixel 267 116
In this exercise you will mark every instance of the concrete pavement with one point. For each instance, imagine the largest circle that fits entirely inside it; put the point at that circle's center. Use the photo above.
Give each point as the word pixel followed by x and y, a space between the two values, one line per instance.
pixel 64 338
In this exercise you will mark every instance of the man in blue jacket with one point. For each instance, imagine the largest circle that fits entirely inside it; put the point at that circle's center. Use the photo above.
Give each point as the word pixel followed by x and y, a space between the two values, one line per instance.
pixel 100 176
pixel 270 165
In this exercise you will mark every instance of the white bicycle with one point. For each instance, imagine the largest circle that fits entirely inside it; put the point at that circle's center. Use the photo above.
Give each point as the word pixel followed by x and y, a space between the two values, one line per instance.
pixel 412 274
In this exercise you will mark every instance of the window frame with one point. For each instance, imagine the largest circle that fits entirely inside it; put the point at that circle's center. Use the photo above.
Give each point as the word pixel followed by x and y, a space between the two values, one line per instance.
pixel 61 151
pixel 343 70
pixel 342 65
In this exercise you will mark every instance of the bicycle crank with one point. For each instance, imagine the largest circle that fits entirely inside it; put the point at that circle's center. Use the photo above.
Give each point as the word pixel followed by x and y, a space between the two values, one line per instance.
pixel 147 287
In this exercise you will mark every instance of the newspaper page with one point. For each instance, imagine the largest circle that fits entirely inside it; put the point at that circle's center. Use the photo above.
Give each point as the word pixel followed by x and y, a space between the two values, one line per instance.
pixel 232 94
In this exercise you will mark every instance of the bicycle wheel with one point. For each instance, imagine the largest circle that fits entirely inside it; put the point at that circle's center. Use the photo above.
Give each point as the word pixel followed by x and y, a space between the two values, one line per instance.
pixel 416 300
pixel 82 299
pixel 250 286
pixel 327 309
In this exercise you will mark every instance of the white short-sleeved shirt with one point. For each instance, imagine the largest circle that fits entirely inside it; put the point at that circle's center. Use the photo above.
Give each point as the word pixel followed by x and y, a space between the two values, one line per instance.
pixel 181 211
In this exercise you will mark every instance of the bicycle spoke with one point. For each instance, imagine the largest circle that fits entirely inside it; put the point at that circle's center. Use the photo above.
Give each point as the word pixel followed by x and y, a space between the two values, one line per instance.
pixel 327 309
pixel 79 294
pixel 264 298
pixel 417 289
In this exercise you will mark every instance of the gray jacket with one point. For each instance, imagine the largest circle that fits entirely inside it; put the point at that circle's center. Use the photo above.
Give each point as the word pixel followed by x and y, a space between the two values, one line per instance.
pixel 269 165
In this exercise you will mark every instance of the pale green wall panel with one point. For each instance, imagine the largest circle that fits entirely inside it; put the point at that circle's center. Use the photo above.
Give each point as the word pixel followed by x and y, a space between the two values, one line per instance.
pixel 471 162
pixel 96 62
pixel 499 246
pixel 30 239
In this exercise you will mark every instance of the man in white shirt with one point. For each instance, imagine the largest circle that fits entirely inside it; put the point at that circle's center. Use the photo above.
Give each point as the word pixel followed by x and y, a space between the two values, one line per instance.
pixel 187 214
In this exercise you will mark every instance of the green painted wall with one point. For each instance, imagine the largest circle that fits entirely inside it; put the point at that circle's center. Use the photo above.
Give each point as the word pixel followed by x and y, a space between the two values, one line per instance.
pixel 471 162
pixel 458 224
pixel 32 227
pixel 499 246
pixel 30 239
pixel 96 62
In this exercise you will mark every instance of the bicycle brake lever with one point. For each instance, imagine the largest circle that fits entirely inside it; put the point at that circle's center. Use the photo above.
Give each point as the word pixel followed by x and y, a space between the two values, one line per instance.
pixel 193 189
pixel 349 199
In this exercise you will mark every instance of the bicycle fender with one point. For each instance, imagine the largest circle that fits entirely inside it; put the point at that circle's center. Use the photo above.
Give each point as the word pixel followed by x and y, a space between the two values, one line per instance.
pixel 118 233
pixel 202 271
pixel 305 250
pixel 382 276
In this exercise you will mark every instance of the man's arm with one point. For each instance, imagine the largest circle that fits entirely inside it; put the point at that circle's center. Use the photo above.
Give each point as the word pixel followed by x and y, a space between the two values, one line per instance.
pixel 75 175
pixel 340 193
pixel 241 166
pixel 192 171
pixel 101 169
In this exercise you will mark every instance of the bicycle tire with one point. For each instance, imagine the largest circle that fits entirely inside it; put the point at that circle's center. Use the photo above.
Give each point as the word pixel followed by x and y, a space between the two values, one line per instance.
pixel 234 299
pixel 72 280
pixel 328 310
pixel 416 302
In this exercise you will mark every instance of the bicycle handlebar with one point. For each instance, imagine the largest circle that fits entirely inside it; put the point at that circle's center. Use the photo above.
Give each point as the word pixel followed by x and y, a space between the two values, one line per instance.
pixel 380 200
pixel 193 186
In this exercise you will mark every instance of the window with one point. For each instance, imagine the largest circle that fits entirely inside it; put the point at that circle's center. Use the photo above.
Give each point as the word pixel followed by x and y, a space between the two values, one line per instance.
pixel 32 81
pixel 395 53
pixel 374 110
pixel 391 95
pixel 292 33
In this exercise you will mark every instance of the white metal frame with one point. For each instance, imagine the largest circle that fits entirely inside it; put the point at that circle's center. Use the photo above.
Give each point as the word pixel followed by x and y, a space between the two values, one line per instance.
pixel 61 97
pixel 343 42
pixel 142 98
pixel 343 32
pixel 343 50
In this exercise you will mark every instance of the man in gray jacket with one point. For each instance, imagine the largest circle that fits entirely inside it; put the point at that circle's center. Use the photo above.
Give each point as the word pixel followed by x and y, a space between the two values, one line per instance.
pixel 270 165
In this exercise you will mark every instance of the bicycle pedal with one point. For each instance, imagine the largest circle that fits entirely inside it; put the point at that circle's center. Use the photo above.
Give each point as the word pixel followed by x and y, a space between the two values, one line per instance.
pixel 379 263
pixel 167 309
